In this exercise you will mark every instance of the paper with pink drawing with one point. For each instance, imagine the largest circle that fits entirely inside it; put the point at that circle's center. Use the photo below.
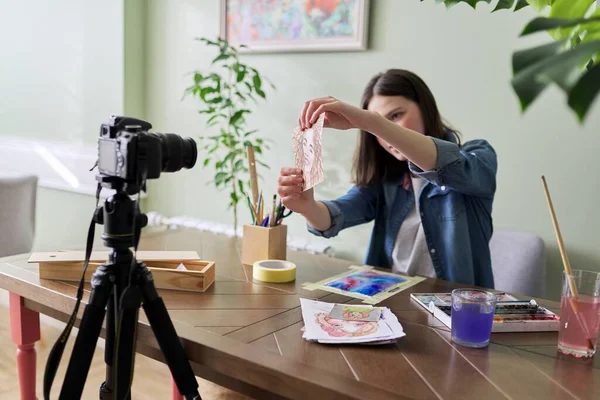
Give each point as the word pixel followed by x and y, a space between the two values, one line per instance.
pixel 308 151
pixel 320 327
pixel 353 312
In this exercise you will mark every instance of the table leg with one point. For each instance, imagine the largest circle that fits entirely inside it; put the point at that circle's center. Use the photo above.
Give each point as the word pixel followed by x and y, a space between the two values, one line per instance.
pixel 175 391
pixel 25 331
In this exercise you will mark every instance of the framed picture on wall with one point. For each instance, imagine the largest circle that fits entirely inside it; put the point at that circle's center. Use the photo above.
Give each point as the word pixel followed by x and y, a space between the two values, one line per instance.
pixel 295 25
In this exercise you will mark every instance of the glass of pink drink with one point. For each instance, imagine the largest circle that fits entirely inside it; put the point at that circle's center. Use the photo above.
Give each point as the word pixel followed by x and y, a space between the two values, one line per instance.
pixel 579 313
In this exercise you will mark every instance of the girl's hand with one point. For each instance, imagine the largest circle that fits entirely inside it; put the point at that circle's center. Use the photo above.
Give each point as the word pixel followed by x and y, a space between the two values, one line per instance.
pixel 289 187
pixel 338 115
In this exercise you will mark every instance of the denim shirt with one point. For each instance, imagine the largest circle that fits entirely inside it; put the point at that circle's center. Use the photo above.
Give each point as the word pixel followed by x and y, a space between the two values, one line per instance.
pixel 456 212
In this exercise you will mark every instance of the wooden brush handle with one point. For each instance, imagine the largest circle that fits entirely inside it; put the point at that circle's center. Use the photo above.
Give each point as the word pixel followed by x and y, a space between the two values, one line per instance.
pixel 253 178
pixel 561 244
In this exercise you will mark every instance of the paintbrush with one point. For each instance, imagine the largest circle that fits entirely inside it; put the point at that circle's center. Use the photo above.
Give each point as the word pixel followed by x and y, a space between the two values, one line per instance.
pixel 566 265
pixel 253 176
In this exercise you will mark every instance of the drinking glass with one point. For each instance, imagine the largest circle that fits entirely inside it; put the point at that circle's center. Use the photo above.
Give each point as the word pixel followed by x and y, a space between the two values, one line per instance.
pixel 472 317
pixel 579 315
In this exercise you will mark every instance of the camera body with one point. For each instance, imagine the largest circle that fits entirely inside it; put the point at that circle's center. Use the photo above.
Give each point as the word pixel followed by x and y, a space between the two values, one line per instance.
pixel 128 153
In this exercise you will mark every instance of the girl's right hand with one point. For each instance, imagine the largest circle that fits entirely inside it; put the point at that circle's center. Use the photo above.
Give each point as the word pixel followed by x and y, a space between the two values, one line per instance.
pixel 290 188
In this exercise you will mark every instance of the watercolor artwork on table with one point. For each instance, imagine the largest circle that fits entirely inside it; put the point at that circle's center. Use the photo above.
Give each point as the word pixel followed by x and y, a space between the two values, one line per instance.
pixel 365 283
pixel 295 25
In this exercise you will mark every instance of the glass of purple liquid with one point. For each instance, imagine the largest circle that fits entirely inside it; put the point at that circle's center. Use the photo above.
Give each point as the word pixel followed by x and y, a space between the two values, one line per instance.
pixel 472 316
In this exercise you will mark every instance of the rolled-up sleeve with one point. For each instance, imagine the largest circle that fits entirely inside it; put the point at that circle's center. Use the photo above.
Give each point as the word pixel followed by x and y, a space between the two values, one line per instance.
pixel 469 169
pixel 355 207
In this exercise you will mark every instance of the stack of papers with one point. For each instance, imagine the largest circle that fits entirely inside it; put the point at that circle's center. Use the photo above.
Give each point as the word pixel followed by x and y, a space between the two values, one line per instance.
pixel 349 323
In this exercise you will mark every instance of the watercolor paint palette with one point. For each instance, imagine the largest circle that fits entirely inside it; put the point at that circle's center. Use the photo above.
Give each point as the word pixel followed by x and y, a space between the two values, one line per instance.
pixel 511 314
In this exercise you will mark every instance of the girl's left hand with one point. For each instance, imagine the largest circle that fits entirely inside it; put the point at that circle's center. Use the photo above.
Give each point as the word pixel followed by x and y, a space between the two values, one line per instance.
pixel 338 115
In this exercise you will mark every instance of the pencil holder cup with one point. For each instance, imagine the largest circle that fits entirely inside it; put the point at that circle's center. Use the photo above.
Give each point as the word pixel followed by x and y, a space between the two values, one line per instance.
pixel 264 243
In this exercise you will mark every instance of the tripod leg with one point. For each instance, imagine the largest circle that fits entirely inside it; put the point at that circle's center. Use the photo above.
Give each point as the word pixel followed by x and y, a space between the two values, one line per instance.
pixel 87 337
pixel 166 336
pixel 107 387
pixel 125 342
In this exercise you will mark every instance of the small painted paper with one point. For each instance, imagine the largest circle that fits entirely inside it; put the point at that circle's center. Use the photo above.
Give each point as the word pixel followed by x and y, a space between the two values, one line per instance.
pixel 365 283
pixel 353 312
pixel 320 327
pixel 308 150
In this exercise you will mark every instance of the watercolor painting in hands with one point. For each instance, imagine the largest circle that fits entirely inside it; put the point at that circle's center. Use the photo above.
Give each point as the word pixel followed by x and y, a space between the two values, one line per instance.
pixel 308 150
pixel 365 283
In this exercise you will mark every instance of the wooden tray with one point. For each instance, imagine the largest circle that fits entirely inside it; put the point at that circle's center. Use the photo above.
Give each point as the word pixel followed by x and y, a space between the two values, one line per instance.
pixel 68 266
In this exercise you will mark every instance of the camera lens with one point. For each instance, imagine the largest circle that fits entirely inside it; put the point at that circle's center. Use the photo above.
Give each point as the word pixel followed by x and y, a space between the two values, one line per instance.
pixel 177 152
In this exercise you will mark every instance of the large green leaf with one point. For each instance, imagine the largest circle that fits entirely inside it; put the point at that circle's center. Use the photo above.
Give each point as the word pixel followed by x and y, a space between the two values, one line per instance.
pixel 584 92
pixel 544 24
pixel 543 67
pixel 526 64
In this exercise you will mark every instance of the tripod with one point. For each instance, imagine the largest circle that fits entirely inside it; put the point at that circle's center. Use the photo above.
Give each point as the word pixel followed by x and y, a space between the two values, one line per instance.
pixel 119 286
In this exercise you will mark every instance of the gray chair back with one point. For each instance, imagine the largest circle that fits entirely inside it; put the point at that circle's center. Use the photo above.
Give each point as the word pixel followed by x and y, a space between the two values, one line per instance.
pixel 18 196
pixel 519 263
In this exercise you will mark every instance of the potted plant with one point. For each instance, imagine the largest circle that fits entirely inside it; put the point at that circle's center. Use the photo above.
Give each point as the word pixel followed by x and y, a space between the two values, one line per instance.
pixel 225 93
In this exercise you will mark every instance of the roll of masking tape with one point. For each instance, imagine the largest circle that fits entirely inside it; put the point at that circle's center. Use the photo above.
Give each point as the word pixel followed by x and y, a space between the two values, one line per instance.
pixel 274 271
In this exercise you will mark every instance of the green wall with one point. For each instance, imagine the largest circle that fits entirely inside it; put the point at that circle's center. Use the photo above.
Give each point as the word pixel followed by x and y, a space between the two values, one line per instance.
pixel 469 75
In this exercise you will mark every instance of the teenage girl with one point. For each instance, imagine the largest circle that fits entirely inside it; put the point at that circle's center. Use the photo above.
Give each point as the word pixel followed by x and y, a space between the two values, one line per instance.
pixel 430 196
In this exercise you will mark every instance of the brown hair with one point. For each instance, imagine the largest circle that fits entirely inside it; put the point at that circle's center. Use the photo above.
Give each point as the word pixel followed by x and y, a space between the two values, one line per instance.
pixel 372 164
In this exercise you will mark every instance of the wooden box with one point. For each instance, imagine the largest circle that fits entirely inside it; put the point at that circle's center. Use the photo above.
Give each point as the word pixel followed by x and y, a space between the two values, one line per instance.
pixel 68 266
pixel 264 243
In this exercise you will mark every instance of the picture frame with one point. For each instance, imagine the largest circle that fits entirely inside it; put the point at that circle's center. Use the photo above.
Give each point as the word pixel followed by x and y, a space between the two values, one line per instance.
pixel 267 26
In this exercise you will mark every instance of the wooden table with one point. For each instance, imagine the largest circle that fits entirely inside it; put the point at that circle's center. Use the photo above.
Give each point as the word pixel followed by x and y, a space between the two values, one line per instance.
pixel 246 336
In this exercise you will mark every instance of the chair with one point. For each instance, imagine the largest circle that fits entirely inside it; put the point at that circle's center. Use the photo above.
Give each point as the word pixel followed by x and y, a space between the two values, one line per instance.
pixel 18 195
pixel 519 263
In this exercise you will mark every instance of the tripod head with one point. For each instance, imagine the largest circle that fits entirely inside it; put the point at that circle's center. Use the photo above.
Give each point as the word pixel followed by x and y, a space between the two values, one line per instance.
pixel 119 215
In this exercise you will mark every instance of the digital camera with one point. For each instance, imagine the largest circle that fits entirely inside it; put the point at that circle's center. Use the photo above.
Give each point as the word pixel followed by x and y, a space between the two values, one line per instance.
pixel 127 152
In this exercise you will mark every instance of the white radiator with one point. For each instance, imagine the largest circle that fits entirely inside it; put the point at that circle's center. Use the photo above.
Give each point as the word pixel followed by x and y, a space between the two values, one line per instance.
pixel 299 244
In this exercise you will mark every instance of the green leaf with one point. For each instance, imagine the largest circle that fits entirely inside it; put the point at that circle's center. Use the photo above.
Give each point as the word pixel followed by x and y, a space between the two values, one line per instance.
pixel 561 69
pixel 214 118
pixel 206 162
pixel 209 110
pixel 241 186
pixel 235 118
pixel 544 24
pixel 521 4
pixel 197 78
pixel 240 75
pixel 260 93
pixel 504 5
pixel 263 164
pixel 234 198
pixel 205 91
pixel 207 41
pixel 250 132
pixel 220 57
pixel 220 177
pixel 239 164
pixel 257 82
pixel 539 5
pixel 584 92
pixel 229 156
pixel 523 59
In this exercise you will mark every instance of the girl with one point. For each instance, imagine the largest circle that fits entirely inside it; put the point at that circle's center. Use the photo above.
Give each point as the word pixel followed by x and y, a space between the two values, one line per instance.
pixel 430 197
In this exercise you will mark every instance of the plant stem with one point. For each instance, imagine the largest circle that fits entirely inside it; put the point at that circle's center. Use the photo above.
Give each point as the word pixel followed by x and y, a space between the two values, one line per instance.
pixel 231 164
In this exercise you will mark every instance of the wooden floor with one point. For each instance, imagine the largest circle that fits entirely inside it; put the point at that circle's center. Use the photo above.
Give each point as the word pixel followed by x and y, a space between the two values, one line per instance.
pixel 151 380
